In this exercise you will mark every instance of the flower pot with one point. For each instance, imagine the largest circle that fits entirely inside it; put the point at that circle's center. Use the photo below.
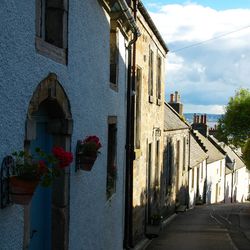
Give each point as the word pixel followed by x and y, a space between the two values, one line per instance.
pixel 156 221
pixel 86 163
pixel 21 191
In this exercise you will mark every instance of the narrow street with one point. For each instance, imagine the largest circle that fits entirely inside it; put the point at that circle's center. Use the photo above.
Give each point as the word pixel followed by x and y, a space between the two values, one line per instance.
pixel 218 227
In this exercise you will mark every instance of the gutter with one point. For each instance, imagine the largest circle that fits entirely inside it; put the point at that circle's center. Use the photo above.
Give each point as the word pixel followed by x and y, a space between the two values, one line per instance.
pixel 124 8
pixel 131 20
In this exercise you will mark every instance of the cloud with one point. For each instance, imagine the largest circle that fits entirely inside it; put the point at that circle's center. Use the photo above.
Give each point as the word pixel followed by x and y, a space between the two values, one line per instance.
pixel 210 73
pixel 206 109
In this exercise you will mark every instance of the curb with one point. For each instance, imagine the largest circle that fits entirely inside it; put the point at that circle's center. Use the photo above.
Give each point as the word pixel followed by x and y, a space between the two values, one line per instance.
pixel 168 220
pixel 142 244
pixel 145 242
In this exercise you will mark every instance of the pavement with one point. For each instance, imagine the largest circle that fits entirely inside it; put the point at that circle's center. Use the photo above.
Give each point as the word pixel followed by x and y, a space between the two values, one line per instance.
pixel 207 227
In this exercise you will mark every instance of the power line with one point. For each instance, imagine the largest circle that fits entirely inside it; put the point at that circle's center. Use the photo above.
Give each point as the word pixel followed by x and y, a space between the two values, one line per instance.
pixel 214 38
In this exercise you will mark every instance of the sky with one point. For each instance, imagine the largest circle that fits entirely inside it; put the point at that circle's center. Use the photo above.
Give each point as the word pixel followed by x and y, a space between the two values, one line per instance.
pixel 209 50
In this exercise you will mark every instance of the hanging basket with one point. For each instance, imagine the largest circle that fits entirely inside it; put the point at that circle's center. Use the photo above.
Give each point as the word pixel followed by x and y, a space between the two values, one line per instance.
pixel 86 163
pixel 21 191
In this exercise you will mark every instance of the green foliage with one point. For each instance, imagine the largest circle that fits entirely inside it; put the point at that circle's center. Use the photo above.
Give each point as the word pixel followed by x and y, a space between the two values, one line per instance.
pixel 41 166
pixel 234 126
pixel 246 154
pixel 89 149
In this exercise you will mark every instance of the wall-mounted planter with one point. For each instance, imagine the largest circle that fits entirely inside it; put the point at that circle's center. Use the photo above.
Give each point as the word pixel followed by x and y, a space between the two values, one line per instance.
pixel 86 163
pixel 21 191
pixel 86 152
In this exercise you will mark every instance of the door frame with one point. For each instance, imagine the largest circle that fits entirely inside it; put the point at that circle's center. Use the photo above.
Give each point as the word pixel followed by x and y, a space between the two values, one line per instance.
pixel 50 93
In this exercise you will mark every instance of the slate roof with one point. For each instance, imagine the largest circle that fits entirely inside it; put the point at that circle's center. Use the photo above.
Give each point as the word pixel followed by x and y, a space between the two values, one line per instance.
pixel 231 155
pixel 213 153
pixel 172 120
pixel 197 154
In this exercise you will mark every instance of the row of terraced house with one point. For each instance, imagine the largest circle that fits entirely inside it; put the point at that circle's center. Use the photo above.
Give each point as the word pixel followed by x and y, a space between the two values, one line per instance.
pixel 71 69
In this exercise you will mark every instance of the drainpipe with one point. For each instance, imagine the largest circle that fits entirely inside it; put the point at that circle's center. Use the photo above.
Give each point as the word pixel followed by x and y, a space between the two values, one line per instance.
pixel 128 227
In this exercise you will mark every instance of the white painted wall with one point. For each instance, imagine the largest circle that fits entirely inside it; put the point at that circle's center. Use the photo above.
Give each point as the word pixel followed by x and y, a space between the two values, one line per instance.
pixel 192 186
pixel 228 188
pixel 95 223
pixel 215 181
pixel 240 185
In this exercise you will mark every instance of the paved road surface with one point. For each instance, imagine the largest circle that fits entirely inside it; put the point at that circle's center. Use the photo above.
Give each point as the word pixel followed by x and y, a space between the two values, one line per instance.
pixel 208 227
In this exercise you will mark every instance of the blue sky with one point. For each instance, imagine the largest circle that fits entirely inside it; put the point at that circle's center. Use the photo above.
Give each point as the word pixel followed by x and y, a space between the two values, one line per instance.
pixel 207 75
pixel 215 4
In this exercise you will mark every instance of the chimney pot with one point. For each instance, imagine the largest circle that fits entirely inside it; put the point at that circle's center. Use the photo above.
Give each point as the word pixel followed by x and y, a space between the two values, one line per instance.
pixel 202 119
pixel 176 96
pixel 194 119
pixel 171 97
pixel 205 118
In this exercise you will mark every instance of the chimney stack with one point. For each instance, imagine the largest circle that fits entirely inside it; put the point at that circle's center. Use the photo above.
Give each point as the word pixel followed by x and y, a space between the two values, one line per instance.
pixel 175 103
pixel 200 124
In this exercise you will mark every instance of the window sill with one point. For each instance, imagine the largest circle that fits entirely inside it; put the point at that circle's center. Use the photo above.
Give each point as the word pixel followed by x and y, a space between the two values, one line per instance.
pixel 159 102
pixel 113 86
pixel 138 153
pixel 151 99
pixel 48 50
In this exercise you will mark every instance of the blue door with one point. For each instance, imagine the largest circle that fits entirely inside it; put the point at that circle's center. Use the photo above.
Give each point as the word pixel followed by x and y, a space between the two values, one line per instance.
pixel 40 212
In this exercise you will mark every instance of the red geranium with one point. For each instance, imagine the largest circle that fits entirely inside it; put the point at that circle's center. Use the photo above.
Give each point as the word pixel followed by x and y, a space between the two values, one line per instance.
pixel 41 166
pixel 90 146
pixel 93 139
pixel 64 157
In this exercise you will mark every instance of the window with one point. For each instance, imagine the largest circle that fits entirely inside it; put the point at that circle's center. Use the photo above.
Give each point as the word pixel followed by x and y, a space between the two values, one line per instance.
pixel 138 108
pixel 157 151
pixel 150 75
pixel 169 159
pixel 184 153
pixel 202 170
pixel 158 89
pixel 51 29
pixel 236 178
pixel 178 170
pixel 111 161
pixel 220 168
pixel 192 178
pixel 114 56
pixel 149 158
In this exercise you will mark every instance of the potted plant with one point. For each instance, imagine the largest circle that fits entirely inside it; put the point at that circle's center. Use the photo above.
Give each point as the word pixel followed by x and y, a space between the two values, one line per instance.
pixel 156 219
pixel 31 170
pixel 87 151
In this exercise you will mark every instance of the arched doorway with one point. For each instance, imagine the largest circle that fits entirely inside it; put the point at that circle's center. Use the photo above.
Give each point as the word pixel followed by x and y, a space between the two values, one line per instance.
pixel 49 123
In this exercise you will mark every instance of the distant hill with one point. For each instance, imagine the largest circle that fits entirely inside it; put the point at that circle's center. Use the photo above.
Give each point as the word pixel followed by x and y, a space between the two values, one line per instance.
pixel 212 119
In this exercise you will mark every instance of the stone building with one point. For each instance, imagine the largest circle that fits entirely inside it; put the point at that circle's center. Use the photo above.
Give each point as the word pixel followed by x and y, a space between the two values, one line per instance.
pixel 149 122
pixel 63 67
pixel 176 157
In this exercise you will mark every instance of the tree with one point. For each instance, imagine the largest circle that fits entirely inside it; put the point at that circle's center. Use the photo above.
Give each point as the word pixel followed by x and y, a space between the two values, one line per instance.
pixel 246 154
pixel 234 125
